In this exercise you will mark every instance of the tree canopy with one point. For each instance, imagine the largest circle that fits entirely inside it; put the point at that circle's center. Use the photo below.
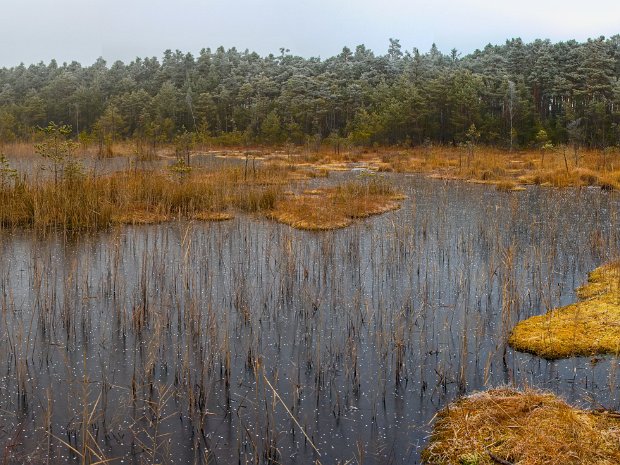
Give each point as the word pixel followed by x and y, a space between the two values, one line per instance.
pixel 509 92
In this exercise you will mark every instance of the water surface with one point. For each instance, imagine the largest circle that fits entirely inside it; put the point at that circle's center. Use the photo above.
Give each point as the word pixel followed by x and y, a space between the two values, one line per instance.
pixel 220 342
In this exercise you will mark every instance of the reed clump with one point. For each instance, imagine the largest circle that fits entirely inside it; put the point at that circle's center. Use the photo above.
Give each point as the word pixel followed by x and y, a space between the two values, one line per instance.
pixel 88 202
pixel 338 207
pixel 531 427
pixel 590 326
pixel 139 197
pixel 508 186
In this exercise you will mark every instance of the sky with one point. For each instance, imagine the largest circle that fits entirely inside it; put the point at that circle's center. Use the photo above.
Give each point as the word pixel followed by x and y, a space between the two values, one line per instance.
pixel 83 30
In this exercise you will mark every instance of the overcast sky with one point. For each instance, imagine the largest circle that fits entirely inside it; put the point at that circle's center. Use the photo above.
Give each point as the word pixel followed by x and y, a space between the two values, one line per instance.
pixel 83 30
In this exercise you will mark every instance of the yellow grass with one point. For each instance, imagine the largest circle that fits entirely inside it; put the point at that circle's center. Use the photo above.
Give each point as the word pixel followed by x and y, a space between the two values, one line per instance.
pixel 508 186
pixel 590 326
pixel 522 428
pixel 560 167
pixel 333 208
pixel 138 215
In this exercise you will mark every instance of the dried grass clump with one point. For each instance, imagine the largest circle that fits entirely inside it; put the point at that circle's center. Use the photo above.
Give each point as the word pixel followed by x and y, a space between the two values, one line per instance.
pixel 507 426
pixel 325 209
pixel 141 197
pixel 138 216
pixel 590 326
pixel 508 186
pixel 213 216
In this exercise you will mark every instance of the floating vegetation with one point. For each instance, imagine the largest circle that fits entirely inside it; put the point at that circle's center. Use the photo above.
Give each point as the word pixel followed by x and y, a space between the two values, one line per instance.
pixel 588 327
pixel 506 426
pixel 337 207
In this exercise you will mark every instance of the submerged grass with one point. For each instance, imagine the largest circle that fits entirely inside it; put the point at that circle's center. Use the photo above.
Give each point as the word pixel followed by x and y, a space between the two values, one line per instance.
pixel 590 326
pixel 338 207
pixel 506 426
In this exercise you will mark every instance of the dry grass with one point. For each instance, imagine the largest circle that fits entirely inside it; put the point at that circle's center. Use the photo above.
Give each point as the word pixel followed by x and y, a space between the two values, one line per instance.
pixel 213 216
pixel 560 167
pixel 522 428
pixel 508 186
pixel 590 326
pixel 333 208
pixel 137 216
pixel 489 165
pixel 89 203
pixel 147 197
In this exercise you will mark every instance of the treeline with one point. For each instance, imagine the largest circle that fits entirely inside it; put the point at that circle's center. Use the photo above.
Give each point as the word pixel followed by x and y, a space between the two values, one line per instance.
pixel 509 92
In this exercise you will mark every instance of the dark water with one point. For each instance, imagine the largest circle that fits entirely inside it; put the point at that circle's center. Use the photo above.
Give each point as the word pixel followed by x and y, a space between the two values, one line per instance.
pixel 219 343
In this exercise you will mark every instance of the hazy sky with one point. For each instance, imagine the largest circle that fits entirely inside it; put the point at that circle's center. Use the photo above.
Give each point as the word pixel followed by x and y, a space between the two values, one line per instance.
pixel 82 30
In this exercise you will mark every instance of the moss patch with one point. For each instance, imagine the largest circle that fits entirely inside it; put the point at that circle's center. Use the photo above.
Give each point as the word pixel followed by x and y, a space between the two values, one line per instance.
pixel 590 326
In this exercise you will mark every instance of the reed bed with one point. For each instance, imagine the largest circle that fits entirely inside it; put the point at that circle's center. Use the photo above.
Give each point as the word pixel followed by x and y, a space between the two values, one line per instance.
pixel 136 197
pixel 558 167
pixel 80 202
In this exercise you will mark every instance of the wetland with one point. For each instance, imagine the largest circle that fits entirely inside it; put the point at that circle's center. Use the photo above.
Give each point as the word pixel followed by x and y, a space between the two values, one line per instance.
pixel 250 341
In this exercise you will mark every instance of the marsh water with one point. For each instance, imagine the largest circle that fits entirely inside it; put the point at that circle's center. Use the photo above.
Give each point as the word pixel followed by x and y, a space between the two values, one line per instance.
pixel 248 341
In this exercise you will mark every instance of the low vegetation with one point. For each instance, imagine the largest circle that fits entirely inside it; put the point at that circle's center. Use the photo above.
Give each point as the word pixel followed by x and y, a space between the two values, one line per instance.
pixel 87 202
pixel 338 207
pixel 505 426
pixel 560 166
pixel 76 201
pixel 590 326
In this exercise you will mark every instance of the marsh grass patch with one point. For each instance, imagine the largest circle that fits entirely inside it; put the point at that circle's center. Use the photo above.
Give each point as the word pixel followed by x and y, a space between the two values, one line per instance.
pixel 336 207
pixel 528 427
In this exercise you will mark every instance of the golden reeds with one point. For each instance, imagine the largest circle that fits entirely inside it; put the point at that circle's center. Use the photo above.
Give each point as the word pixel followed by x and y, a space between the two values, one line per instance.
pixel 489 165
pixel 89 203
pixel 144 197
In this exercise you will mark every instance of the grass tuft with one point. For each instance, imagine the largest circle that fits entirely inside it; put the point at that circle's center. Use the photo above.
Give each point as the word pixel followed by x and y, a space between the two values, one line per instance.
pixel 525 428
pixel 338 207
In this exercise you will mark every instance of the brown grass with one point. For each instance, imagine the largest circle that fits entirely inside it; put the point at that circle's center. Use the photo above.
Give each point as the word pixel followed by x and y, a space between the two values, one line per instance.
pixel 138 215
pixel 489 165
pixel 213 216
pixel 333 208
pixel 522 428
pixel 508 186
pixel 590 326
pixel 88 202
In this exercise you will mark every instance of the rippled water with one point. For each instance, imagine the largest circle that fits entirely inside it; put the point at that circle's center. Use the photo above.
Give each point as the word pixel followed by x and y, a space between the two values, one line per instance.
pixel 245 341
